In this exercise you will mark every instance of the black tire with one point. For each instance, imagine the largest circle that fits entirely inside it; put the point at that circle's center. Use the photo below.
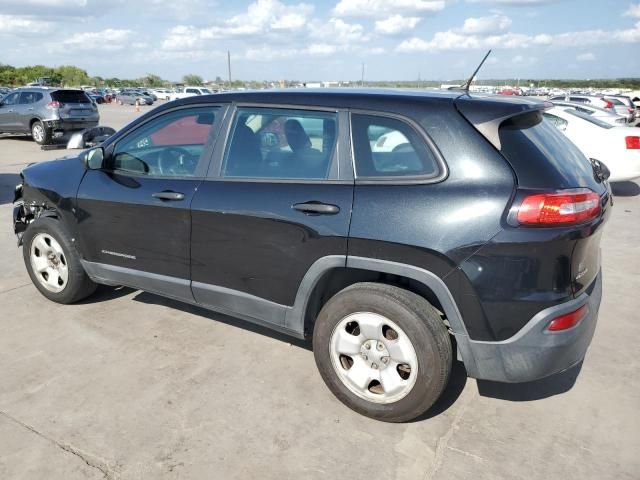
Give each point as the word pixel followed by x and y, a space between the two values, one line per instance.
pixel 419 321
pixel 79 285
pixel 40 134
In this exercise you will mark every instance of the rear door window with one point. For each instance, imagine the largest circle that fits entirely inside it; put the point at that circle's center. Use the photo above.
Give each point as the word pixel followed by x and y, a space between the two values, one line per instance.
pixel 274 143
pixel 70 96
pixel 389 147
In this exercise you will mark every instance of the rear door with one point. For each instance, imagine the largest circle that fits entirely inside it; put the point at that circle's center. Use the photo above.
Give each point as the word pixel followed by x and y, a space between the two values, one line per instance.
pixel 273 205
pixel 133 215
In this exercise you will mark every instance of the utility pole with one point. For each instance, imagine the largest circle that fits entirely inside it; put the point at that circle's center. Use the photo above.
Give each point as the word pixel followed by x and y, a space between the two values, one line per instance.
pixel 229 67
pixel 362 76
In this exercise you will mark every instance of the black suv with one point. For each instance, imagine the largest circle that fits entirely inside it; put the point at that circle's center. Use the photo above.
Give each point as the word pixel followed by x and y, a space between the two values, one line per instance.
pixel 47 113
pixel 396 229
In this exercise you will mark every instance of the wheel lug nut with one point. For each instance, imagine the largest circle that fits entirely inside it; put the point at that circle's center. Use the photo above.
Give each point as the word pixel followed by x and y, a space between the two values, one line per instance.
pixel 367 346
pixel 374 366
pixel 385 360
pixel 364 356
pixel 379 346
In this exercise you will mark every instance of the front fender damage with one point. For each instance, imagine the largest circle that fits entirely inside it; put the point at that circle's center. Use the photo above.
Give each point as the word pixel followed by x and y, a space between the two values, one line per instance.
pixel 25 212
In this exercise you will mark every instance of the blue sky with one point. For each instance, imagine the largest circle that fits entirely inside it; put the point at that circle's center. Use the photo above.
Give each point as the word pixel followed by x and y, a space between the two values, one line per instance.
pixel 326 40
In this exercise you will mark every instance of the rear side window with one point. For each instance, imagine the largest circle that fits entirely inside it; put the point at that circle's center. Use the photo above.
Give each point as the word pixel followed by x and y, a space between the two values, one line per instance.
pixel 70 96
pixel 30 97
pixel 387 147
pixel 535 147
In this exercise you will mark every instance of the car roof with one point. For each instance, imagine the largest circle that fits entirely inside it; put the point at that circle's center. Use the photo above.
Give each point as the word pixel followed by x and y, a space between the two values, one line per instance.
pixel 368 98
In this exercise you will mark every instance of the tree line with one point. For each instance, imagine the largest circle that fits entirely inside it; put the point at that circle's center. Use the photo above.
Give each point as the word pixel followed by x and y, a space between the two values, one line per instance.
pixel 69 75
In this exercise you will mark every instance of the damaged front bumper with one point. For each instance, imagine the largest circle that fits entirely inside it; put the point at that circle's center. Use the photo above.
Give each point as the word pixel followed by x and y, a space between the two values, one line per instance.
pixel 20 214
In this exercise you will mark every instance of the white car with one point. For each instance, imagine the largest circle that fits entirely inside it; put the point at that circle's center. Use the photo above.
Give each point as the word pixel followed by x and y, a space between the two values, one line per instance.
pixel 603 114
pixel 185 92
pixel 617 147
pixel 162 93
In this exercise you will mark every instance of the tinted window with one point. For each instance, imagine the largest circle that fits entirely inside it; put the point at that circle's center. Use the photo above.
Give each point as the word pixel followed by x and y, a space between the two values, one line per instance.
pixel 388 147
pixel 11 99
pixel 169 145
pixel 70 96
pixel 193 90
pixel 533 144
pixel 279 143
pixel 579 99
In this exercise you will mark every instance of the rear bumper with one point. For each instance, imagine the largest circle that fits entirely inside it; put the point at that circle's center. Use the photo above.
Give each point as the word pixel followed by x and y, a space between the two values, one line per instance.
pixel 67 125
pixel 535 353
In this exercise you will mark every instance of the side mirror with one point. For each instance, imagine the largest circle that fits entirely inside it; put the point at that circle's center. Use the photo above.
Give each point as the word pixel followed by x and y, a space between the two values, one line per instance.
pixel 94 158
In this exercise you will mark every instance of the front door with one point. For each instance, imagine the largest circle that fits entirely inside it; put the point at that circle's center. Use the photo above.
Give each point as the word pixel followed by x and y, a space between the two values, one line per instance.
pixel 8 117
pixel 274 207
pixel 133 215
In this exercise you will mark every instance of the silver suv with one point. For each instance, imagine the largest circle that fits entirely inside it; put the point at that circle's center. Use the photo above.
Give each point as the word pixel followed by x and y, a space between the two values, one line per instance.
pixel 47 113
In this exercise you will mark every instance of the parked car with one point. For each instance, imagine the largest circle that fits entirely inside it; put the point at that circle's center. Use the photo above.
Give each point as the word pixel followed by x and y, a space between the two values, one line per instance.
pixel 129 97
pixel 189 92
pixel 603 114
pixel 617 147
pixel 623 106
pixel 594 100
pixel 485 229
pixel 149 93
pixel 47 113
pixel 162 93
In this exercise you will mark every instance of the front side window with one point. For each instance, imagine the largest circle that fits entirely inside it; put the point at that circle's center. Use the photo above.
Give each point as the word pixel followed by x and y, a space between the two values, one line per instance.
pixel 169 145
pixel 388 147
pixel 11 99
pixel 281 143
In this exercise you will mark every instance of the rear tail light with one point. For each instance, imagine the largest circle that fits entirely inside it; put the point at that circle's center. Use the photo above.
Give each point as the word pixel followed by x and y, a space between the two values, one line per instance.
pixel 568 320
pixel 54 104
pixel 631 110
pixel 607 104
pixel 566 207
pixel 633 143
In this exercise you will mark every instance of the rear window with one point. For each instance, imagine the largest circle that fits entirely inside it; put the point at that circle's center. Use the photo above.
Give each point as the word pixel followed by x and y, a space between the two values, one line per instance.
pixel 538 150
pixel 70 96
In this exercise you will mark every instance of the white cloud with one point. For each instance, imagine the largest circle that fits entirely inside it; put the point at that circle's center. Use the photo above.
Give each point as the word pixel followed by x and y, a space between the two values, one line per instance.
pixel 109 40
pixel 382 8
pixel 485 25
pixel 515 3
pixel 396 24
pixel 338 31
pixel 23 25
pixel 586 57
pixel 456 39
pixel 633 11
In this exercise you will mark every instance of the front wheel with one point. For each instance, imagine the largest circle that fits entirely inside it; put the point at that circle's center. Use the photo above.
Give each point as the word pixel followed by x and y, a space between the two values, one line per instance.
pixel 53 263
pixel 383 351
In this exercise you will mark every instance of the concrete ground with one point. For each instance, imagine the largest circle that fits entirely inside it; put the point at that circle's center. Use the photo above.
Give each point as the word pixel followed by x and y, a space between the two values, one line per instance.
pixel 129 385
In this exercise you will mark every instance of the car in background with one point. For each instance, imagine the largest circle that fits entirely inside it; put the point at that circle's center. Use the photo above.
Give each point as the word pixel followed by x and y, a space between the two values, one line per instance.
pixel 189 92
pixel 605 115
pixel 130 97
pixel 595 100
pixel 617 147
pixel 47 113
pixel 623 106
pixel 4 91
pixel 163 93
pixel 95 97
pixel 148 93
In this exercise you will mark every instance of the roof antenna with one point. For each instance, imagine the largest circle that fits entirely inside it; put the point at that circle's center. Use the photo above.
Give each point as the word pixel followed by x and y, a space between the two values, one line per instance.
pixel 465 86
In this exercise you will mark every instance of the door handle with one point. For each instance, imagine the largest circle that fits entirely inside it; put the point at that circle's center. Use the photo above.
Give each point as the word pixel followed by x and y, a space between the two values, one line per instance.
pixel 316 208
pixel 30 109
pixel 168 195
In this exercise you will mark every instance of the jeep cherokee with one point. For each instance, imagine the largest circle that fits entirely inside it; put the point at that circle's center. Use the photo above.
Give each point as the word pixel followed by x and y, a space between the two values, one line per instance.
pixel 396 229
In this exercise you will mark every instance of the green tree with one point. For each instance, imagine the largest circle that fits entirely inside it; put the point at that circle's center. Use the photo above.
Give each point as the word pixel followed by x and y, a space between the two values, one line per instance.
pixel 191 79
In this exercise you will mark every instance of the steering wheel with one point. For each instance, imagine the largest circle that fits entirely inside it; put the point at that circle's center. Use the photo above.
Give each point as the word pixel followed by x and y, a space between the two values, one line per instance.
pixel 176 161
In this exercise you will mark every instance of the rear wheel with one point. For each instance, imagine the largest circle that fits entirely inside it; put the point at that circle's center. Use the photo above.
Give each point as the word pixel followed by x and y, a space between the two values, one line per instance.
pixel 383 351
pixel 53 263
pixel 41 134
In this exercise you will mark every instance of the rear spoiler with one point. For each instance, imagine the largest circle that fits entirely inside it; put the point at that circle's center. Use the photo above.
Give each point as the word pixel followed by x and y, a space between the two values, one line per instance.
pixel 487 112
